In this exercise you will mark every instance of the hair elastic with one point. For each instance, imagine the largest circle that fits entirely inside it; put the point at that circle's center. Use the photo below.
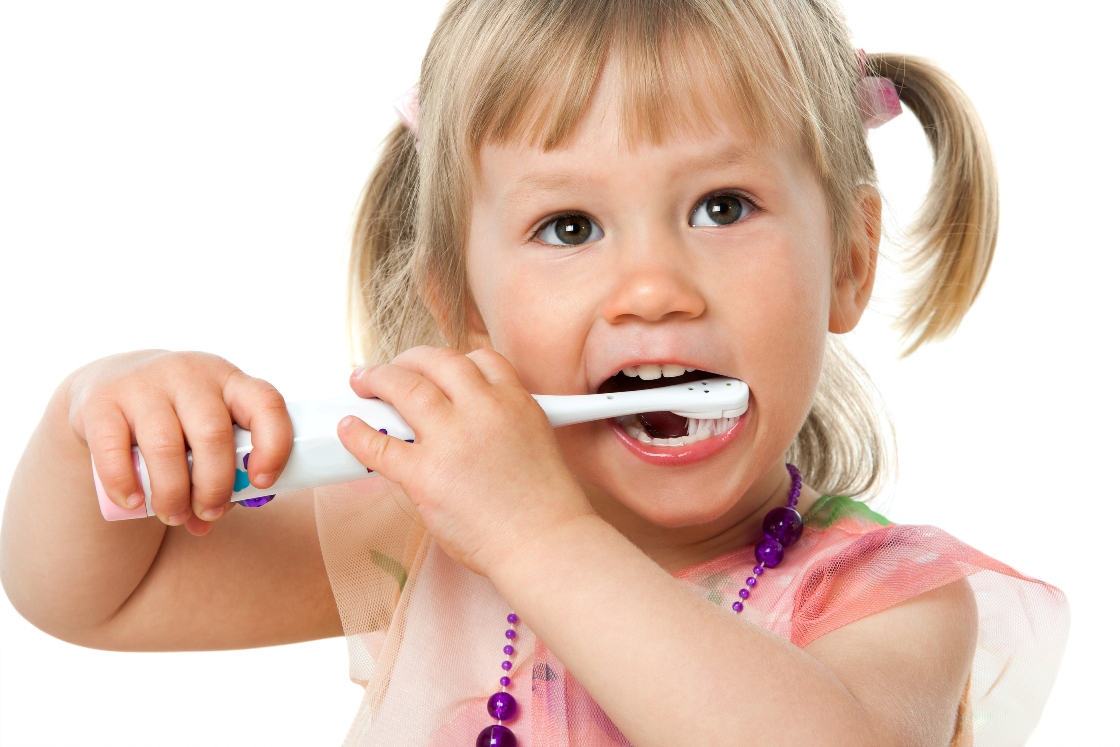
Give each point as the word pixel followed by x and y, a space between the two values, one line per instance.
pixel 407 107
pixel 877 97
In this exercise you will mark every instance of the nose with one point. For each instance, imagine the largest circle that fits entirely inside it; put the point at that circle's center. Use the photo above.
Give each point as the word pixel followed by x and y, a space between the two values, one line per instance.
pixel 655 282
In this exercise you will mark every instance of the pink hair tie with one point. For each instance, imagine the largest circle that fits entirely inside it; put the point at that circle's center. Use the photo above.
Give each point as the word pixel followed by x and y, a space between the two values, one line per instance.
pixel 407 108
pixel 878 98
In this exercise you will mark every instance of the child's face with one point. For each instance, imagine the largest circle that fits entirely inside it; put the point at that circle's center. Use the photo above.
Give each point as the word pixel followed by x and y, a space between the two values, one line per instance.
pixel 653 270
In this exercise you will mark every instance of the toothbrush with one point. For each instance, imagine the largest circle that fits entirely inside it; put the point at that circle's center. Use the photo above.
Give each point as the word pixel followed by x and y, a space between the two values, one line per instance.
pixel 318 458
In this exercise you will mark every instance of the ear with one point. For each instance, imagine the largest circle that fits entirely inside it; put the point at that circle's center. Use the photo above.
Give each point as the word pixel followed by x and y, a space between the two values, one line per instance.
pixel 476 334
pixel 852 286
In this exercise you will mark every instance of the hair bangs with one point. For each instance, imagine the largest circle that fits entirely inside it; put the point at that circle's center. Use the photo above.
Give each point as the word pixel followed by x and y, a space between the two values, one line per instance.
pixel 676 67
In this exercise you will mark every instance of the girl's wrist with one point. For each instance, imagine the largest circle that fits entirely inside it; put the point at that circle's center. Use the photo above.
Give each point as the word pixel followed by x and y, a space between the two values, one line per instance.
pixel 567 543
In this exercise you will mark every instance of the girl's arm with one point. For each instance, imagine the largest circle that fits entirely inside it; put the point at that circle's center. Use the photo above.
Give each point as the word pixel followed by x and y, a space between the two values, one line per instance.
pixel 671 668
pixel 257 579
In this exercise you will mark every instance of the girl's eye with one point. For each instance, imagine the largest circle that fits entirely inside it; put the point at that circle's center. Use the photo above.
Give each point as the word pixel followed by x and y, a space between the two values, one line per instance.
pixel 570 230
pixel 720 210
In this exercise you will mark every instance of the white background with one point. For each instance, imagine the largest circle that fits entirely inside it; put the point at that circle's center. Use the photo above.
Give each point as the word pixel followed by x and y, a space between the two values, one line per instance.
pixel 182 175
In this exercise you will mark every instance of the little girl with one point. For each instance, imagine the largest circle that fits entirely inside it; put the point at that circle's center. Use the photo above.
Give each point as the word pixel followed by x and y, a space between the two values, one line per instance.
pixel 586 196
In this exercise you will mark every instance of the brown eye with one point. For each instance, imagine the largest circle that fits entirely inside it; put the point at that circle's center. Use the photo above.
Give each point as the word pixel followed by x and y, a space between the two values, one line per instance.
pixel 720 210
pixel 570 230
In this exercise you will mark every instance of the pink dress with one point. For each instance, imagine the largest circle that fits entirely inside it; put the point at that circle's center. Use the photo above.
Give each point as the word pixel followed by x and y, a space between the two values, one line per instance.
pixel 425 634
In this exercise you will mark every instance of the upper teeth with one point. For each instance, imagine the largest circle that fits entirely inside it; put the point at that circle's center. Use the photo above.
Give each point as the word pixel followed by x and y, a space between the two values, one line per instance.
pixel 649 371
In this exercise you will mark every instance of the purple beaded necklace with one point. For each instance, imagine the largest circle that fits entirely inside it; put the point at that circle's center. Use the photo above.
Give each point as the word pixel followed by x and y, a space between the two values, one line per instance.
pixel 502 706
pixel 780 529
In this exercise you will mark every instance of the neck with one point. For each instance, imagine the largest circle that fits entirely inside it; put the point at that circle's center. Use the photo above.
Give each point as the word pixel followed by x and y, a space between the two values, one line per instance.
pixel 676 548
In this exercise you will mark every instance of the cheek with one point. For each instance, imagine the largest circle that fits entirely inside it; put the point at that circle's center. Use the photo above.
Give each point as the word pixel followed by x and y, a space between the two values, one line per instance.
pixel 530 318
pixel 794 337
pixel 778 307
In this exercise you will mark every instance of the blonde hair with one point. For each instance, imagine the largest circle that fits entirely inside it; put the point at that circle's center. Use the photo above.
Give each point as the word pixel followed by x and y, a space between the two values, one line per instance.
pixel 526 70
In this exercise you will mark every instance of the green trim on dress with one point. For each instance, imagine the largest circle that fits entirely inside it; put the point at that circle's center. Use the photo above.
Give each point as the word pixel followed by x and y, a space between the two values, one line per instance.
pixel 830 509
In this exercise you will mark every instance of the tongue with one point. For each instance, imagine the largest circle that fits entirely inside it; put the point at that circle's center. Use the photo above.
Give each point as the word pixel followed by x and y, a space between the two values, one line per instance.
pixel 664 424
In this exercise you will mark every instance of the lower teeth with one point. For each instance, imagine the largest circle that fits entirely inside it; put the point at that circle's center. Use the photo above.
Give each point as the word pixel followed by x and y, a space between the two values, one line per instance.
pixel 698 430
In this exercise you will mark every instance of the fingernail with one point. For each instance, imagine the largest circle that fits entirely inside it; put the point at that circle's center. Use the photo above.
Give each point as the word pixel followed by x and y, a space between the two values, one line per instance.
pixel 134 500
pixel 212 514
pixel 263 481
pixel 358 371
pixel 179 519
pixel 347 421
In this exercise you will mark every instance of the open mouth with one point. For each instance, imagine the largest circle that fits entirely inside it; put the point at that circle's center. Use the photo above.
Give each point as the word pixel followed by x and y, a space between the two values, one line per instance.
pixel 664 429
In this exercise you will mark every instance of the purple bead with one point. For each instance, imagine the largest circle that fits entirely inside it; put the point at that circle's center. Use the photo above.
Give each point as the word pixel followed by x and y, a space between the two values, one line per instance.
pixel 511 634
pixel 512 619
pixel 256 502
pixel 245 461
pixel 502 706
pixel 744 594
pixel 783 525
pixel 769 552
pixel 504 681
pixel 508 650
pixel 795 493
pixel 507 665
pixel 792 502
pixel 737 606
pixel 752 581
pixel 496 735
pixel 758 570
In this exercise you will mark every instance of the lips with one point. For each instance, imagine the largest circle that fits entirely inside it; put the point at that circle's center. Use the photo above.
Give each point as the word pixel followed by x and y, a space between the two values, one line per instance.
pixel 677 456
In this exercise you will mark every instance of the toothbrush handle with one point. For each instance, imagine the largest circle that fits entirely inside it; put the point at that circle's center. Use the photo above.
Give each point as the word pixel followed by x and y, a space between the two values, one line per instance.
pixel 318 458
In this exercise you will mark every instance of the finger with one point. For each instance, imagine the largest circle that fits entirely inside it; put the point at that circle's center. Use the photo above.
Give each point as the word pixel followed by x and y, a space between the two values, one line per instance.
pixel 388 456
pixel 160 437
pixel 199 527
pixel 455 374
pixel 494 367
pixel 109 439
pixel 260 409
pixel 420 402
pixel 208 431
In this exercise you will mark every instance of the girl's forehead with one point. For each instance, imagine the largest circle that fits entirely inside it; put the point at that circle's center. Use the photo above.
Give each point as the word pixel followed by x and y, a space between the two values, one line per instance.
pixel 708 133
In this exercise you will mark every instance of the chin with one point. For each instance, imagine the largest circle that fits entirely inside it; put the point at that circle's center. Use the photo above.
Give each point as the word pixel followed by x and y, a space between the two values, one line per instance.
pixel 673 510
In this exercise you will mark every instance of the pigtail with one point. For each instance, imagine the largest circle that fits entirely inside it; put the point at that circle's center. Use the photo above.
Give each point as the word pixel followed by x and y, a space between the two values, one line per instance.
pixel 385 312
pixel 955 232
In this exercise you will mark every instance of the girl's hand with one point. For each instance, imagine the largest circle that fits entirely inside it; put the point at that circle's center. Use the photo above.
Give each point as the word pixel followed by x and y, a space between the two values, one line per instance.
pixel 166 403
pixel 485 471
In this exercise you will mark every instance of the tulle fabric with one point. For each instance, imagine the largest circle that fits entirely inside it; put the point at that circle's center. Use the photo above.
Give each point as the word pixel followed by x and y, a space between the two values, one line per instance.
pixel 425 634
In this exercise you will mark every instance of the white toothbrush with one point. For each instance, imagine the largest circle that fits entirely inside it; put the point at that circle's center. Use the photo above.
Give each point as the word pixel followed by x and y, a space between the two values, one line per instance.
pixel 318 458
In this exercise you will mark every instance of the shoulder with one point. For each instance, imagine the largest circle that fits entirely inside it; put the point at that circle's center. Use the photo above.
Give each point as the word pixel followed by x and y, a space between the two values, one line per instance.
pixel 908 666
pixel 861 564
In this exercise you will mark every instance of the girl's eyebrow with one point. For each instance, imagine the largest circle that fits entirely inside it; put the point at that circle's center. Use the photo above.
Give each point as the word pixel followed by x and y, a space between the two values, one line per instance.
pixel 734 156
pixel 550 182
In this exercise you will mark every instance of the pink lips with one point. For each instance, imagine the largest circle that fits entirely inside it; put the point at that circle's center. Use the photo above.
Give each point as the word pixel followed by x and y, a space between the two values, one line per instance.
pixel 677 455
